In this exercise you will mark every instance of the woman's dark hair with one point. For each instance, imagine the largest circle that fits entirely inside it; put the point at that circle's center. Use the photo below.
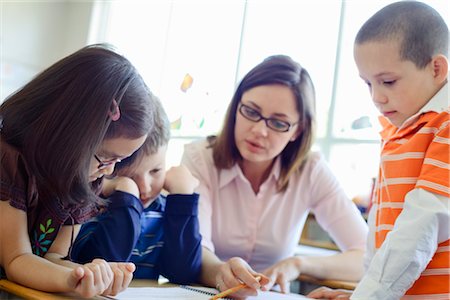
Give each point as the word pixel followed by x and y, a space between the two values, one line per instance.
pixel 277 69
pixel 59 119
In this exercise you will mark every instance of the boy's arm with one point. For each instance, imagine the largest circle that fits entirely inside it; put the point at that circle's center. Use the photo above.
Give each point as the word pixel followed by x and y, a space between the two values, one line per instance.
pixel 113 234
pixel 408 248
pixel 181 255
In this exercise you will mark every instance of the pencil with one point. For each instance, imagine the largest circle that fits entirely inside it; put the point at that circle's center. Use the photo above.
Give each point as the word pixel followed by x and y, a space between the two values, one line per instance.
pixel 232 290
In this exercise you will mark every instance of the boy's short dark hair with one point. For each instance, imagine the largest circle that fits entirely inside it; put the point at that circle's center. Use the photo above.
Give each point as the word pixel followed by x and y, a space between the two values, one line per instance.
pixel 158 136
pixel 420 28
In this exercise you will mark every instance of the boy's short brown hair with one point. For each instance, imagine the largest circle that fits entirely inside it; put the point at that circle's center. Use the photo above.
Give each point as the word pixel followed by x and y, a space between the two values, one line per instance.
pixel 158 136
pixel 420 29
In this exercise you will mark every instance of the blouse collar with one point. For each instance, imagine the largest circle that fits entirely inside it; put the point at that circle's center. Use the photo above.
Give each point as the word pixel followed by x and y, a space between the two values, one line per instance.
pixel 235 172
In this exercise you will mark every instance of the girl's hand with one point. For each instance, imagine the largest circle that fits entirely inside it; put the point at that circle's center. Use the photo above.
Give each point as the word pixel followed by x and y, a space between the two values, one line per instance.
pixel 283 272
pixel 235 272
pixel 179 180
pixel 327 293
pixel 123 274
pixel 91 279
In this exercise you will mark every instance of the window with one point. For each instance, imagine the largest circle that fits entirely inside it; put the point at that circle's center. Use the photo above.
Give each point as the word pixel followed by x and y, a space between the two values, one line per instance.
pixel 214 43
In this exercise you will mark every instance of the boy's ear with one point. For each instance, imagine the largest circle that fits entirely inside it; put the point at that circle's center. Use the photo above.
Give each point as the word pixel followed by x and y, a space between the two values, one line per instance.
pixel 440 67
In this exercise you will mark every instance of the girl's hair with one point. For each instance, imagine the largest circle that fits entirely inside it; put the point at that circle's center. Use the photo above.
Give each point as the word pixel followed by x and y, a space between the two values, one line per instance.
pixel 422 32
pixel 158 136
pixel 277 69
pixel 59 119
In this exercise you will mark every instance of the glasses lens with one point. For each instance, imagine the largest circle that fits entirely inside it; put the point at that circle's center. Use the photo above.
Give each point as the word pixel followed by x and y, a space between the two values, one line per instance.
pixel 250 113
pixel 278 125
pixel 253 115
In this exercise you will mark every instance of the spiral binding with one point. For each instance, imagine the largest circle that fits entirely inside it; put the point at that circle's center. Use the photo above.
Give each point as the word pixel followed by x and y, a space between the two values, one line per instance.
pixel 187 287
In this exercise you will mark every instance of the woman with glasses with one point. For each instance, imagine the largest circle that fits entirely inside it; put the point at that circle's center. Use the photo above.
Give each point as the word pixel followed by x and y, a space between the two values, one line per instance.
pixel 59 135
pixel 259 180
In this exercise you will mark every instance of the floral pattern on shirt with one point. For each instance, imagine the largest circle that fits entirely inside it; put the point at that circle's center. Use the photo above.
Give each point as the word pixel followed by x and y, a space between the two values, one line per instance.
pixel 41 241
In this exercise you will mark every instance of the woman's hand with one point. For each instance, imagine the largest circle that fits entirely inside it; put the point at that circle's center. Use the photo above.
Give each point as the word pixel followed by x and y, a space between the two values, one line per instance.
pixel 91 279
pixel 327 293
pixel 283 272
pixel 235 272
pixel 123 274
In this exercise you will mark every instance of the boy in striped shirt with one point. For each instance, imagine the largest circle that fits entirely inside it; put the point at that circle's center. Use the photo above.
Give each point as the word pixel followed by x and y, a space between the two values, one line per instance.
pixel 401 53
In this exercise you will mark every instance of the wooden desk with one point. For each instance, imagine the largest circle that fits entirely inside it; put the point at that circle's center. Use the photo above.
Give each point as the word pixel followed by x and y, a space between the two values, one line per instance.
pixel 28 293
pixel 334 284
pixel 31 294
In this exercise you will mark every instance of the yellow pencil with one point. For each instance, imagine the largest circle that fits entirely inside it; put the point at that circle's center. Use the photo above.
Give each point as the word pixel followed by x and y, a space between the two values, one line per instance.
pixel 232 290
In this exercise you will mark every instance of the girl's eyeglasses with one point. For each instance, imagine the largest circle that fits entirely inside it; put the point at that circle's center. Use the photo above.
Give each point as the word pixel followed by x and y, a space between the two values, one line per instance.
pixel 105 164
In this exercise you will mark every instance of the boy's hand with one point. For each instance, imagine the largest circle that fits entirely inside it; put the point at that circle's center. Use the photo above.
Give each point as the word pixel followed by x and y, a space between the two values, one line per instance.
pixel 179 180
pixel 91 279
pixel 327 293
pixel 121 183
pixel 123 274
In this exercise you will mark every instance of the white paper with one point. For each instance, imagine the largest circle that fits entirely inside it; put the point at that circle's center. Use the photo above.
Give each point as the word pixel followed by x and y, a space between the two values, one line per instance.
pixel 164 293
pixel 160 293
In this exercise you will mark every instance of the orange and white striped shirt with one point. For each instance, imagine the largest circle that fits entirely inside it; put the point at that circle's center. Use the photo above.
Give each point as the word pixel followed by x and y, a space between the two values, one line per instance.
pixel 409 222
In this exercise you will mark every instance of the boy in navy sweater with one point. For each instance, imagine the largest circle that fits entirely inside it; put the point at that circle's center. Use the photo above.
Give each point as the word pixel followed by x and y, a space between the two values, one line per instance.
pixel 158 233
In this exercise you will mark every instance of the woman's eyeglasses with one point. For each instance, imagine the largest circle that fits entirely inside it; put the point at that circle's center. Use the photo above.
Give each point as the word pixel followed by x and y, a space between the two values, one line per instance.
pixel 105 164
pixel 273 123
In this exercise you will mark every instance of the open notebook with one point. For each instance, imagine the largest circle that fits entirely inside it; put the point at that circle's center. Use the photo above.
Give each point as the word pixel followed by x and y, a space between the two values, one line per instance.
pixel 190 293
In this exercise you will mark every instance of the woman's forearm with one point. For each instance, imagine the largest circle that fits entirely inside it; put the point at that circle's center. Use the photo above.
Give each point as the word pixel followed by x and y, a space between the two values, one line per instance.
pixel 343 266
pixel 210 265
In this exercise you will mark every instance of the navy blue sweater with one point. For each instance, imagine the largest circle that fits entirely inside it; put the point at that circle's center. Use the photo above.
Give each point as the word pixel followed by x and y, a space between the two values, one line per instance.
pixel 163 239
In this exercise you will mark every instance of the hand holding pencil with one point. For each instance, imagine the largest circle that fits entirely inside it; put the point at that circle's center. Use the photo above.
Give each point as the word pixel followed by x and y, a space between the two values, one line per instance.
pixel 232 290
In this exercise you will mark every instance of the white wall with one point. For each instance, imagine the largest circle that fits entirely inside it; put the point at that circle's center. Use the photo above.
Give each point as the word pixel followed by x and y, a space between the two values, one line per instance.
pixel 35 33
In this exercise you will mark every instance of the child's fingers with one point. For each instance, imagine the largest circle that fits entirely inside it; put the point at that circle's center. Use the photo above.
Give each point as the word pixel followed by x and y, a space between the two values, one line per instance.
pixel 117 284
pixel 319 292
pixel 327 293
pixel 86 287
pixel 103 275
pixel 123 274
pixel 127 274
pixel 130 267
pixel 75 276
